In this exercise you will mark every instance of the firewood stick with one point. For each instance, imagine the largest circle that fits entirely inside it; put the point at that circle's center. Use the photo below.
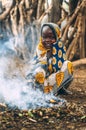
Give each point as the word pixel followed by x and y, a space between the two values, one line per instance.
pixel 71 20
pixel 79 62
pixel 5 13
pixel 73 33
pixel 38 9
pixel 79 6
pixel 27 4
pixel 74 42
pixel 17 1
pixel 73 52
pixel 13 16
pixel 28 11
pixel 46 12
pixel 82 38
pixel 21 22
pixel 60 21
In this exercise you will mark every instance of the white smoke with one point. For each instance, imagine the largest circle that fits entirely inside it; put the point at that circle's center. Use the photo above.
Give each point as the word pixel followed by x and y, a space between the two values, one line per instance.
pixel 14 90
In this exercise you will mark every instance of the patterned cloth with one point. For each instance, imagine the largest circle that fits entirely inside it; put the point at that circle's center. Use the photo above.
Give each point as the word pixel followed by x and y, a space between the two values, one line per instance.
pixel 49 73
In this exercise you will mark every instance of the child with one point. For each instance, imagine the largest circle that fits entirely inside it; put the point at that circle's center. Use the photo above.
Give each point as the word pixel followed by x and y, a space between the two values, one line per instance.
pixel 50 72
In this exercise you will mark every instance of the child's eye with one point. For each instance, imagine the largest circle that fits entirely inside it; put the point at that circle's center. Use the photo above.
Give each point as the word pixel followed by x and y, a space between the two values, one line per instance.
pixel 44 36
pixel 52 37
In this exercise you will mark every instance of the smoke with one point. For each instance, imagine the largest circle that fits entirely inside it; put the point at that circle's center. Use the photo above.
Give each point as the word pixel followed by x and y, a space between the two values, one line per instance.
pixel 14 90
pixel 15 93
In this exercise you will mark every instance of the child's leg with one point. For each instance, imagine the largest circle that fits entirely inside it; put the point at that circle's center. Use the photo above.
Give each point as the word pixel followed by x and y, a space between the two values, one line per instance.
pixel 36 77
pixel 60 80
pixel 64 77
pixel 49 84
pixel 67 68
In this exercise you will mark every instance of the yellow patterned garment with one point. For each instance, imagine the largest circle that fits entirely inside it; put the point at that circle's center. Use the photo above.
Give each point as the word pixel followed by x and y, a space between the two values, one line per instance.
pixel 58 51
pixel 57 59
pixel 52 71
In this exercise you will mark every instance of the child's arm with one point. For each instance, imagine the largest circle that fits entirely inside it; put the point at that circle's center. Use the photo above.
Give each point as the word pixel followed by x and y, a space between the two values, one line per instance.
pixel 42 55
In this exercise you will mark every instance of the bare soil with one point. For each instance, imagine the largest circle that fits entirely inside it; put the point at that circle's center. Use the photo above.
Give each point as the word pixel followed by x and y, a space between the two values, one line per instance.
pixel 70 117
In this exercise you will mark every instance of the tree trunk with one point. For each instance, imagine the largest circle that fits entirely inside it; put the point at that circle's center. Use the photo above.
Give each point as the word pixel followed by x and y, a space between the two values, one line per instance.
pixel 55 14
pixel 39 10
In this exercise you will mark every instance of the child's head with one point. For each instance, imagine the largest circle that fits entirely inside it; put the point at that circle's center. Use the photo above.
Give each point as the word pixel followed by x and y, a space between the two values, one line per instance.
pixel 49 35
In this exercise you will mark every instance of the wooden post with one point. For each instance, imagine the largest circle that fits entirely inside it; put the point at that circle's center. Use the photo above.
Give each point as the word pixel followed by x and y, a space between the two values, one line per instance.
pixel 82 38
pixel 0 13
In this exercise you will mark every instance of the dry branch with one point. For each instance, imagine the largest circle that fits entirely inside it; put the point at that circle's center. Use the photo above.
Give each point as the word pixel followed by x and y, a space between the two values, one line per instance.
pixel 79 62
pixel 72 48
pixel 46 12
pixel 82 38
pixel 5 13
pixel 70 20
pixel 13 17
pixel 21 22
pixel 39 8
pixel 73 32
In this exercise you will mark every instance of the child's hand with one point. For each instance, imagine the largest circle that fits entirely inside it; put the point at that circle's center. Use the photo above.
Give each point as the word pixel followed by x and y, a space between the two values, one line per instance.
pixel 49 53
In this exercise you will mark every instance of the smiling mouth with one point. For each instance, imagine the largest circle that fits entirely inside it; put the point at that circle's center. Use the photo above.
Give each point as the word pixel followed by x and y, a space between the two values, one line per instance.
pixel 48 43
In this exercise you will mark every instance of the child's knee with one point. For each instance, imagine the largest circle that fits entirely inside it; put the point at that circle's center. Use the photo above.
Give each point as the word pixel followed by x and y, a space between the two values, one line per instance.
pixel 39 75
pixel 67 67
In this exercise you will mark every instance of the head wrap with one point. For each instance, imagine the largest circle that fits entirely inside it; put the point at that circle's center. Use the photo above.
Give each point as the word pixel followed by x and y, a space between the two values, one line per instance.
pixel 58 49
pixel 54 27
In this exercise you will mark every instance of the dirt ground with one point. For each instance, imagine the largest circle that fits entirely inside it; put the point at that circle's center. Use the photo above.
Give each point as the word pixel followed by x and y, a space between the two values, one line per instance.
pixel 70 117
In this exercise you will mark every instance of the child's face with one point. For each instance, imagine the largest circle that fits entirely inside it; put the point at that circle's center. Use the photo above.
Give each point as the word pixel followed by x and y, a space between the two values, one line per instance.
pixel 48 37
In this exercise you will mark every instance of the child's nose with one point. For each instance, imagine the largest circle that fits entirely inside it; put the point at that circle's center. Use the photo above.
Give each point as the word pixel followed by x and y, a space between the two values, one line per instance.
pixel 48 39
